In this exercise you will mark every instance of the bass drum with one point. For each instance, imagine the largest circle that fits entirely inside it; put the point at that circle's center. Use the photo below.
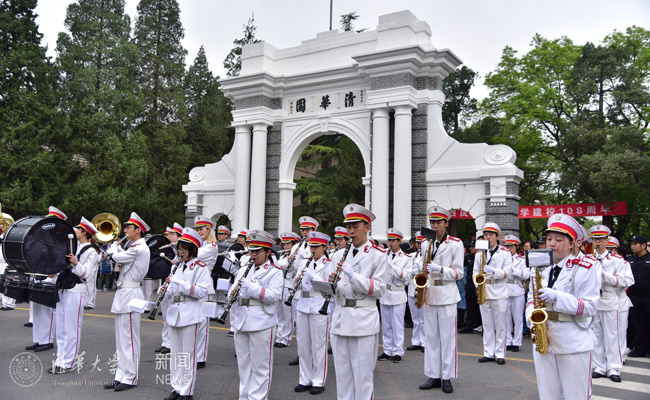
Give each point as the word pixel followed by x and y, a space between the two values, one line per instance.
pixel 159 268
pixel 38 245
pixel 218 272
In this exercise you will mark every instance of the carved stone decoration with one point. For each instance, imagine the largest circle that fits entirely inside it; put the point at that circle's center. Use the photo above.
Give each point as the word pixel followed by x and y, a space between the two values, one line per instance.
pixel 499 155
pixel 197 174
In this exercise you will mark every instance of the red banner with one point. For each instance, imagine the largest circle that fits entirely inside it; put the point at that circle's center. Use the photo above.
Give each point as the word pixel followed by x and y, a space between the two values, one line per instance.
pixel 574 210
pixel 460 214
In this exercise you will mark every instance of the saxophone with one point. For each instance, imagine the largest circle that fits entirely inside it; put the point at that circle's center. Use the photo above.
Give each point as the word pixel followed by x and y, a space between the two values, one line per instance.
pixel 479 281
pixel 421 280
pixel 539 316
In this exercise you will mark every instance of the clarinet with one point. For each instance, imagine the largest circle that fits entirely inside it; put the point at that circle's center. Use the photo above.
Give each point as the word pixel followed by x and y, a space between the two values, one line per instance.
pixel 235 294
pixel 292 259
pixel 154 311
pixel 328 297
pixel 297 283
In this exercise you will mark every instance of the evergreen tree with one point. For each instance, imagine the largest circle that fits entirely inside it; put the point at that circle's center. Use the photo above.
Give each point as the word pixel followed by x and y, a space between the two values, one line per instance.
pixel 158 35
pixel 347 22
pixel 33 154
pixel 208 114
pixel 233 60
pixel 102 100
pixel 459 105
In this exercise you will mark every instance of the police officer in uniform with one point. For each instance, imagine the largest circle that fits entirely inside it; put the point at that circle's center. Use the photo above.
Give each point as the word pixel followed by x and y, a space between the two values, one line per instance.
pixel 254 316
pixel 571 291
pixel 393 302
pixel 640 297
pixel 446 267
pixel 355 319
pixel 607 355
pixel 135 264
pixel 498 269
pixel 187 286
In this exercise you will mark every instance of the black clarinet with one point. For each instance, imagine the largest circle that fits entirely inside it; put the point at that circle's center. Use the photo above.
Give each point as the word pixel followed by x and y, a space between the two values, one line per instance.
pixel 294 254
pixel 154 311
pixel 328 297
pixel 235 294
pixel 297 283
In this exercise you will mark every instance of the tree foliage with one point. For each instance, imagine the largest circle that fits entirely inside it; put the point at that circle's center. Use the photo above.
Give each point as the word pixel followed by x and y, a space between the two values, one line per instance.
pixel 459 105
pixel 101 100
pixel 335 185
pixel 34 156
pixel 158 35
pixel 347 22
pixel 233 60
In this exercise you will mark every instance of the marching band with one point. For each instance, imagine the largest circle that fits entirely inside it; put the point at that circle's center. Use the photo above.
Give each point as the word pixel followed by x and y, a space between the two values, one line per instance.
pixel 345 296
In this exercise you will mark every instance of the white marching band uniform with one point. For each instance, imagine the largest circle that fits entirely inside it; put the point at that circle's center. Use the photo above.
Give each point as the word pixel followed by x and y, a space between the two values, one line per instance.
pixel 91 284
pixel 417 314
pixel 624 304
pixel 285 312
pixel 355 320
pixel 393 302
pixel 70 309
pixel 440 310
pixel 208 254
pixel 7 302
pixel 565 371
pixel 516 300
pixel 607 353
pixel 493 312
pixel 43 319
pixel 312 327
pixel 135 265
pixel 188 287
pixel 253 319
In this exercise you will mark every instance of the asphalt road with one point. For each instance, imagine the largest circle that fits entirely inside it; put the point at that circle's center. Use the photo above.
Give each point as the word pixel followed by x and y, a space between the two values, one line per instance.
pixel 515 379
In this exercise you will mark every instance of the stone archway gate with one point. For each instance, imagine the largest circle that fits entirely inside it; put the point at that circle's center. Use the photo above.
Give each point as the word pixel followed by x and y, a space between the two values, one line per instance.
pixel 382 89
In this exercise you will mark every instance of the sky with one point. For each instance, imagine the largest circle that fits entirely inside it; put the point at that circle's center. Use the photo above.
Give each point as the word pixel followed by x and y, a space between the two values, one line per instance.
pixel 475 30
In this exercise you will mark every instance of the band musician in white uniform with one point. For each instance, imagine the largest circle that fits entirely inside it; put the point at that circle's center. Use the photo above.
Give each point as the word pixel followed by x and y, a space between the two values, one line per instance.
pixel 312 327
pixel 135 264
pixel 571 291
pixel 187 286
pixel 173 234
pixel 493 313
pixel 355 319
pixel 70 308
pixel 417 314
pixel 516 294
pixel 442 296
pixel 393 302
pixel 253 318
pixel 285 312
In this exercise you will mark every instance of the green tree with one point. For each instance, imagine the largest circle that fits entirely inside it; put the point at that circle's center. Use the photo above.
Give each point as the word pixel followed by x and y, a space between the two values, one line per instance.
pixel 347 22
pixel 337 181
pixel 233 60
pixel 459 105
pixel 158 35
pixel 34 158
pixel 208 112
pixel 101 100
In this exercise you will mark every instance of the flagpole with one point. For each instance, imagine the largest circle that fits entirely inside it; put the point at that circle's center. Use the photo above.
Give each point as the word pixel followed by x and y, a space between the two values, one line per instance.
pixel 331 5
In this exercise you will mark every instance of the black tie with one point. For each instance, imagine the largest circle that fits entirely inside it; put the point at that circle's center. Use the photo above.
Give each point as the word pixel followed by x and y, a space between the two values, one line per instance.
pixel 393 256
pixel 552 277
pixel 354 252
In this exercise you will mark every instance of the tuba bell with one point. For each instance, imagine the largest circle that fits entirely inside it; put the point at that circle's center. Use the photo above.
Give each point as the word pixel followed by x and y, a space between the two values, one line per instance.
pixel 108 227
pixel 6 220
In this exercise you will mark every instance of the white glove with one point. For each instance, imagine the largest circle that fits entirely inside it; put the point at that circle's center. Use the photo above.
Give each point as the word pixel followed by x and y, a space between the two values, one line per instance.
pixel 489 270
pixel 347 268
pixel 112 248
pixel 548 295
pixel 250 288
pixel 608 278
pixel 308 276
pixel 434 267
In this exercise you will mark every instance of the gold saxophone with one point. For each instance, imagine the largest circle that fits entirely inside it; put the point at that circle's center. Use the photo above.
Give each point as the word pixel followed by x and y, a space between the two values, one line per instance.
pixel 539 316
pixel 421 280
pixel 479 281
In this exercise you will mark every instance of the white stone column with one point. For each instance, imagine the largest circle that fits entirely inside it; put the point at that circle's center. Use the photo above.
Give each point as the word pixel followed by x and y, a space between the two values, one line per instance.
pixel 258 177
pixel 286 206
pixel 380 172
pixel 402 170
pixel 242 178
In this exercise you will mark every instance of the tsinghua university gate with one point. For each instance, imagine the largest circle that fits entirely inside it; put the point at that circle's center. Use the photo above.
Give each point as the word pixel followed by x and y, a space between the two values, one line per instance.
pixel 376 87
